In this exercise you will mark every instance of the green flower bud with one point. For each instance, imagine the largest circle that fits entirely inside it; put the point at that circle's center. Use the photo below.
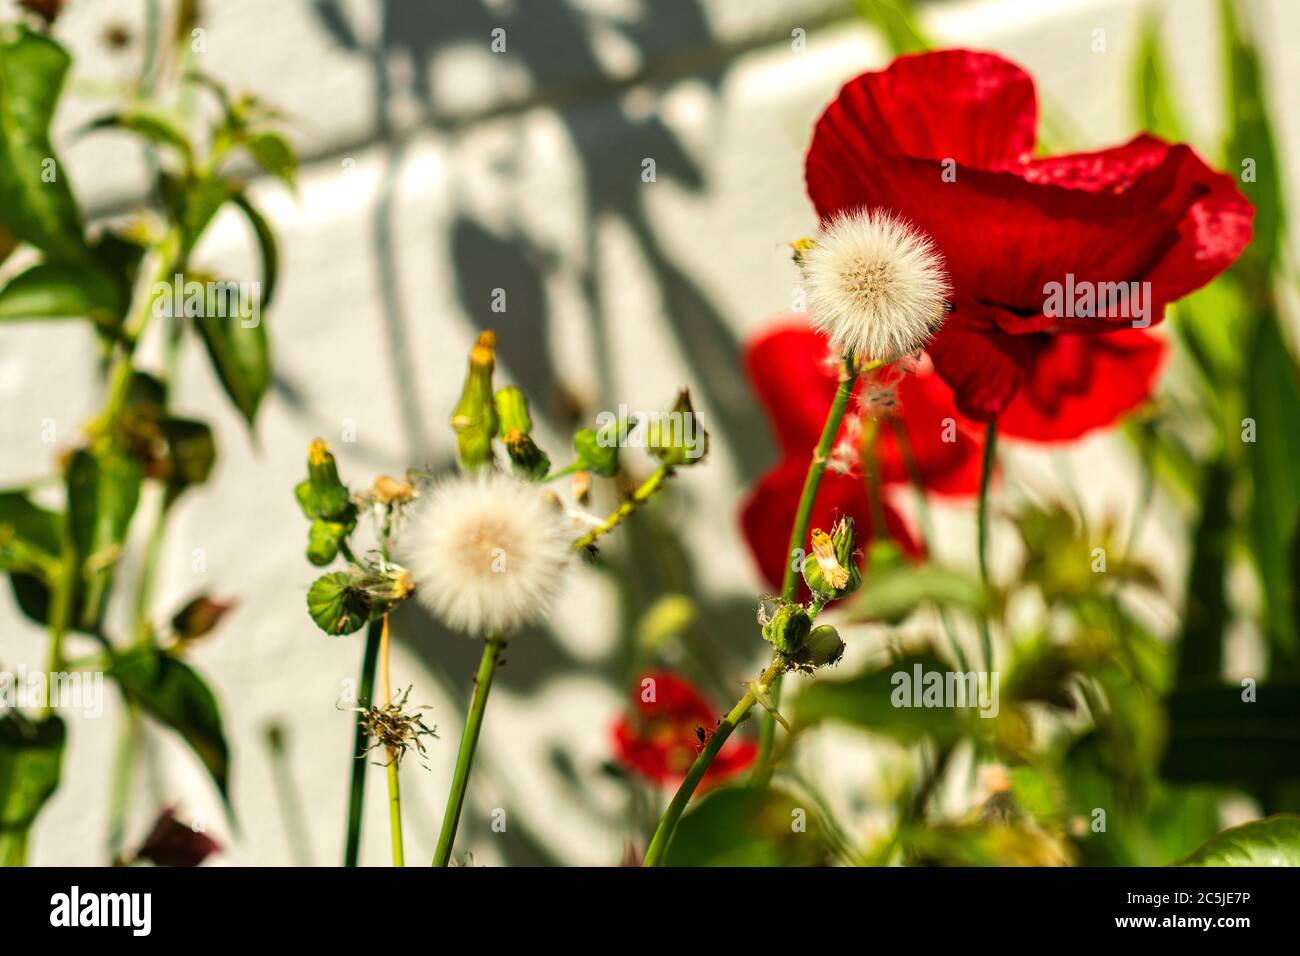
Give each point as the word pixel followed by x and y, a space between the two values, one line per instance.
pixel 676 437
pixel 512 410
pixel 474 419
pixel 323 494
pixel 823 646
pixel 527 460
pixel 788 629
pixel 831 571
pixel 337 603
pixel 597 451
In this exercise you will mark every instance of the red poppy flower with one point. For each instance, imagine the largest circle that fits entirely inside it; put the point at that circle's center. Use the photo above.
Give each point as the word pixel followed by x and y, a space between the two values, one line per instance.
pixel 795 376
pixel 945 140
pixel 662 737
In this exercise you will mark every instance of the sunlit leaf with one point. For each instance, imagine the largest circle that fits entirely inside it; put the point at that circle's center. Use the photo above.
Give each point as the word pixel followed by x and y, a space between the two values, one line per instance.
pixel 31 757
pixel 747 826
pixel 1273 841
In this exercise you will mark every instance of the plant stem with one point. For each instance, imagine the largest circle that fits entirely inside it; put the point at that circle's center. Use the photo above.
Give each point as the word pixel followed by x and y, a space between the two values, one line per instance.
pixel 799 536
pixel 119 794
pixel 982 519
pixel 639 497
pixel 360 740
pixel 492 648
pixel 658 848
pixel 394 786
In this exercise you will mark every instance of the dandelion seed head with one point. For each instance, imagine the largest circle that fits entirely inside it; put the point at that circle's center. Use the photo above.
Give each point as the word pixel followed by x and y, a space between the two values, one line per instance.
pixel 876 287
pixel 487 552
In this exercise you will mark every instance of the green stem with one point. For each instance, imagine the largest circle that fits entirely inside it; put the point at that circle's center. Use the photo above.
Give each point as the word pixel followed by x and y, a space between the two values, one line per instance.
pixel 982 518
pixel 394 784
pixel 639 497
pixel 492 648
pixel 119 795
pixel 360 742
pixel 799 536
pixel 148 572
pixel 663 835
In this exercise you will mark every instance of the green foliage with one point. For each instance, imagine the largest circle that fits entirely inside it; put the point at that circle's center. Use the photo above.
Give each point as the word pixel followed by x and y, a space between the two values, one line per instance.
pixel 1273 841
pixel 338 603
pixel 31 757
pixel 172 692
pixel 746 826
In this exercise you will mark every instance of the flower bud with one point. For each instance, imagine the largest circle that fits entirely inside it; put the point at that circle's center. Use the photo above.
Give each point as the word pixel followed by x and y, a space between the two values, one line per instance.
pixel 199 617
pixel 676 437
pixel 597 450
pixel 823 647
pixel 337 603
pixel 391 491
pixel 512 410
pixel 474 419
pixel 831 571
pixel 323 495
pixel 528 461
pixel 788 628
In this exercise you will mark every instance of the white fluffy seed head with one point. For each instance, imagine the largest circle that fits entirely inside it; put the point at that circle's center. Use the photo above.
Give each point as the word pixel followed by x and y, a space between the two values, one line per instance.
pixel 875 286
pixel 487 552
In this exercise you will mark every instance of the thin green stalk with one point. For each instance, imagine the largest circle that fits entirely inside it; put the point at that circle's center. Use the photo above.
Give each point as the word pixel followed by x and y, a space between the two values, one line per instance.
pixel 658 848
pixel 360 744
pixel 148 572
pixel 394 785
pixel 986 478
pixel 119 794
pixel 799 536
pixel 639 497
pixel 492 648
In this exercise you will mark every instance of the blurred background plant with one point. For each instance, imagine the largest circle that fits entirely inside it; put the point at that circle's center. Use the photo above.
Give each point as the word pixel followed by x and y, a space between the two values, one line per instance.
pixel 1122 692
pixel 62 539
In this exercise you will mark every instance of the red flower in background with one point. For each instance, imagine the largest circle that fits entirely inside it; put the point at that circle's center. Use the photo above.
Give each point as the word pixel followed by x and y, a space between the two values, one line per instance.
pixel 796 376
pixel 661 738
pixel 946 140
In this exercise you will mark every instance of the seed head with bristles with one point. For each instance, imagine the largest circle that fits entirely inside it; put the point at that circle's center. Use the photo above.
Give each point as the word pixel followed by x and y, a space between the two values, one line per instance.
pixel 487 552
pixel 875 286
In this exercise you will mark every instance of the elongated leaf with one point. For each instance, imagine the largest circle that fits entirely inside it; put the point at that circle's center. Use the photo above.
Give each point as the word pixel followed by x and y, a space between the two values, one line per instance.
pixel 57 291
pixel 36 202
pixel 869 702
pixel 31 757
pixel 266 245
pixel 744 826
pixel 29 535
pixel 241 357
pixel 155 128
pixel 893 594
pixel 1157 113
pixel 1205 611
pixel 1273 841
pixel 103 491
pixel 175 694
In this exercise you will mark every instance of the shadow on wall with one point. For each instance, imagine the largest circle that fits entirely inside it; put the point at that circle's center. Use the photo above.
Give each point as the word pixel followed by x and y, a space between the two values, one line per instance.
pixel 553 44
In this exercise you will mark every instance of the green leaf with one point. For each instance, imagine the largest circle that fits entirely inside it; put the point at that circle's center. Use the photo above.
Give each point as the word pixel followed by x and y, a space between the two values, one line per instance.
pixel 1272 396
pixel 193 203
pixel 191 453
pixel 1273 841
pixel 152 126
pixel 31 756
pixel 745 826
pixel 266 245
pixel 868 702
pixel 103 491
pixel 274 154
pixel 1157 112
pixel 175 694
pixel 59 291
pixel 1205 608
pixel 337 604
pixel 29 536
pixel 36 202
pixel 895 593
pixel 241 357
pixel 984 844
pixel 895 19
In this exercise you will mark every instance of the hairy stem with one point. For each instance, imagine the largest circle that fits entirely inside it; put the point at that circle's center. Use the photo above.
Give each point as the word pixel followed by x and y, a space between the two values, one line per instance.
pixel 394 785
pixel 799 536
pixel 663 835
pixel 639 497
pixel 492 648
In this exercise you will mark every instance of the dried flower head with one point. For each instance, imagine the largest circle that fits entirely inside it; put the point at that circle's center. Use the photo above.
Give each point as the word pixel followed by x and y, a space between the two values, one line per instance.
pixel 875 286
pixel 395 730
pixel 487 552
